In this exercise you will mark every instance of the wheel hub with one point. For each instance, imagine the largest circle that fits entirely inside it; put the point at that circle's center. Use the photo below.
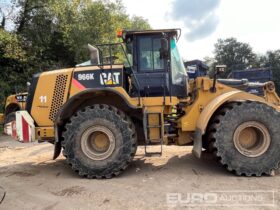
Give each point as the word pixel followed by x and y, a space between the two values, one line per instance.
pixel 98 142
pixel 251 139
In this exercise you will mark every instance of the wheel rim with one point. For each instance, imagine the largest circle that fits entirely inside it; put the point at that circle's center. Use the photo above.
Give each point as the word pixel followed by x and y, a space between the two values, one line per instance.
pixel 98 142
pixel 251 139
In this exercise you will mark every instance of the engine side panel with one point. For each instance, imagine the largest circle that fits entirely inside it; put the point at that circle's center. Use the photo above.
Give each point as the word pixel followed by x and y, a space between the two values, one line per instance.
pixel 50 94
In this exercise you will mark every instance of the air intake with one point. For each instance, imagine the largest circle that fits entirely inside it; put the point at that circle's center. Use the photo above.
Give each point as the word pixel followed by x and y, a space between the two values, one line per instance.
pixel 58 95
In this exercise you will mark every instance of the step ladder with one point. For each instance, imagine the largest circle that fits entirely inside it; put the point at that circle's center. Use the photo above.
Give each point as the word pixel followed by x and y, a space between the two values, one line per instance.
pixel 153 122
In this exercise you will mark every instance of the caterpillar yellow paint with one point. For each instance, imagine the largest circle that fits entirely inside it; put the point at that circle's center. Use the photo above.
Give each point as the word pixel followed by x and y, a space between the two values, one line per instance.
pixel 100 111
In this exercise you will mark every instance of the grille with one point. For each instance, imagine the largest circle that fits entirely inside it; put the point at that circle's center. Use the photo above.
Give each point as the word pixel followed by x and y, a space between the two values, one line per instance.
pixel 58 95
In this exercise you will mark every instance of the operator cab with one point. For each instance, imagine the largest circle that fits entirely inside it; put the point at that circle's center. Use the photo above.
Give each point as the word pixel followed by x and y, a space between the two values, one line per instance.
pixel 154 59
pixel 152 64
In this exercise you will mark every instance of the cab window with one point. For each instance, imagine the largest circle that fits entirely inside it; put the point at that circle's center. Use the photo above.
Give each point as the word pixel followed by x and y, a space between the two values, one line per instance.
pixel 149 54
pixel 177 65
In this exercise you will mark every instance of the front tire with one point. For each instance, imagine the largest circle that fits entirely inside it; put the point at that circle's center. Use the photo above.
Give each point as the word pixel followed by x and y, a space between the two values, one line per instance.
pixel 99 141
pixel 245 138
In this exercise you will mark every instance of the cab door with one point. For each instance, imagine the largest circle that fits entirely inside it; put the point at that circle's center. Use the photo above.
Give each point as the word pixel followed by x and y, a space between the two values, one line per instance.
pixel 151 68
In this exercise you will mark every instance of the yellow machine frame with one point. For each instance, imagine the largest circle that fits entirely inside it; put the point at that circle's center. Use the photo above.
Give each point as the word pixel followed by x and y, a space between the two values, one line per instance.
pixel 191 126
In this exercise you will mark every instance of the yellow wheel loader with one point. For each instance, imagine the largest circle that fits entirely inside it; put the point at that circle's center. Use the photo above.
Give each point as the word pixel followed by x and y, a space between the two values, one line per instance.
pixel 101 110
pixel 13 103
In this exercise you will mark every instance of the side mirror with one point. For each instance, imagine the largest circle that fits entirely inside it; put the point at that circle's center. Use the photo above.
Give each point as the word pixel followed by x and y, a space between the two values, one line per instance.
pixel 163 48
pixel 94 55
pixel 220 69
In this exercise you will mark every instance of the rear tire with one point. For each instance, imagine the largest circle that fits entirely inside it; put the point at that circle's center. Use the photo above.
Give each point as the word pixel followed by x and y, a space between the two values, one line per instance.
pixel 245 138
pixel 99 141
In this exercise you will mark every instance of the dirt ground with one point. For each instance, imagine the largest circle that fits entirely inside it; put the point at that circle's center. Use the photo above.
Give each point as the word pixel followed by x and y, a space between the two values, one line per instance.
pixel 32 180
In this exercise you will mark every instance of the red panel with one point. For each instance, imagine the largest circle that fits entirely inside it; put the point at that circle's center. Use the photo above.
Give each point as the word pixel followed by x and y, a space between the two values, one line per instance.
pixel 77 84
pixel 25 130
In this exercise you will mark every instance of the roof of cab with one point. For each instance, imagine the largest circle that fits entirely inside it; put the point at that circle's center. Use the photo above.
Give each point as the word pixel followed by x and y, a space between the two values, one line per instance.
pixel 176 31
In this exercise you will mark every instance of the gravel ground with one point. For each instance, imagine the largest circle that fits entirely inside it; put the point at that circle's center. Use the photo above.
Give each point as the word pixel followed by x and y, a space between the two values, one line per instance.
pixel 177 180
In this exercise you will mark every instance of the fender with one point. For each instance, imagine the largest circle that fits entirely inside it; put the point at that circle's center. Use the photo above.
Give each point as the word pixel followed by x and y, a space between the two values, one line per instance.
pixel 88 94
pixel 212 107
pixel 72 104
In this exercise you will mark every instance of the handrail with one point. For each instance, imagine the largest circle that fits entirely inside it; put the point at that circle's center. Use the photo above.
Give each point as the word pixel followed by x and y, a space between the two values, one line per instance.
pixel 126 56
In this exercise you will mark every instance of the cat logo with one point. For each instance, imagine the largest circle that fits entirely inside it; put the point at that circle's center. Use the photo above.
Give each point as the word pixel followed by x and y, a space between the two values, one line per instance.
pixel 110 78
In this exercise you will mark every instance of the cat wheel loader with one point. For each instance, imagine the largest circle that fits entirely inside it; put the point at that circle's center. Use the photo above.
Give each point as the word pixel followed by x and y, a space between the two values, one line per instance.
pixel 100 111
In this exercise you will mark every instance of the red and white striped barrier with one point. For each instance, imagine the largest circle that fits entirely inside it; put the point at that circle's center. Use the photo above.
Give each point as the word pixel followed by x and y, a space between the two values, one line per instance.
pixel 24 128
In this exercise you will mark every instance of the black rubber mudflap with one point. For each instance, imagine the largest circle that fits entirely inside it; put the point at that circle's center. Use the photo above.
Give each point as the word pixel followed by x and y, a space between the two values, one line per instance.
pixel 57 150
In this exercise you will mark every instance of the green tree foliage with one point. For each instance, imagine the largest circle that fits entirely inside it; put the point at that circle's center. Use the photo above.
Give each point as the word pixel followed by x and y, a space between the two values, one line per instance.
pixel 12 64
pixel 138 22
pixel 236 55
pixel 53 34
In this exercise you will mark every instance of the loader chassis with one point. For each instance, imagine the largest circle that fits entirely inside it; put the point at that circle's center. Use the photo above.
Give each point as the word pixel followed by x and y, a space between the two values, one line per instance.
pixel 99 113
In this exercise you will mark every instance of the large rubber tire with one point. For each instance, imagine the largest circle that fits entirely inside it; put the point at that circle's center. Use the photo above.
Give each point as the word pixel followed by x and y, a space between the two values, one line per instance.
pixel 10 117
pixel 221 134
pixel 121 127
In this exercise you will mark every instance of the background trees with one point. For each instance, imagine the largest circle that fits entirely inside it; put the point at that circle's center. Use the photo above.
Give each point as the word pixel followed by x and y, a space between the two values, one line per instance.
pixel 13 61
pixel 234 54
pixel 239 56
